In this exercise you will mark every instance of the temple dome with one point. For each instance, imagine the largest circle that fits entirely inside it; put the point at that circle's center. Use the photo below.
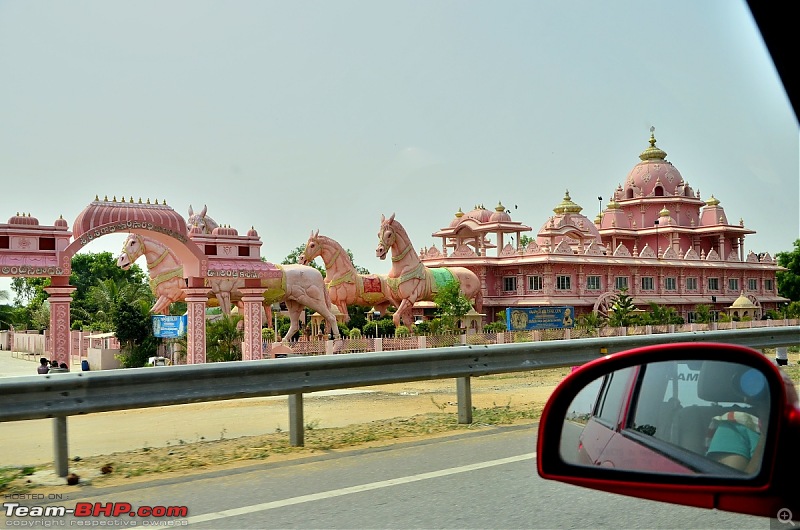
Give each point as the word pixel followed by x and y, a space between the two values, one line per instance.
pixel 500 214
pixel 654 176
pixel 567 220
pixel 480 214
pixel 225 231
pixel 457 219
pixel 22 219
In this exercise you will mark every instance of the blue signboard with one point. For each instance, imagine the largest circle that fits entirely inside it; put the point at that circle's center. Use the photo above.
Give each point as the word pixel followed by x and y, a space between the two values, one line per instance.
pixel 169 327
pixel 543 317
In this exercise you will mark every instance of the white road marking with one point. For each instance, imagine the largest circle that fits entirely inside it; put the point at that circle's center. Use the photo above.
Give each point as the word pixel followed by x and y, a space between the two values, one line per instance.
pixel 244 510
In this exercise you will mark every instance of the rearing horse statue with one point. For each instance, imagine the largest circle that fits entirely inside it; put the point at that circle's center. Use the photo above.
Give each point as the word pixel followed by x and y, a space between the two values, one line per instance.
pixel 345 284
pixel 299 285
pixel 410 280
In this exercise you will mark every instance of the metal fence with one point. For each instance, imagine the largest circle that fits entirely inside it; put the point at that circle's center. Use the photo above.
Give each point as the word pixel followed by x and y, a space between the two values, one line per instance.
pixel 58 396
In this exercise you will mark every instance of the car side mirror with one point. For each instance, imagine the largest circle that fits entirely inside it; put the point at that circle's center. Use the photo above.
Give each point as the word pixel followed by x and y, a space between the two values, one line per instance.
pixel 698 424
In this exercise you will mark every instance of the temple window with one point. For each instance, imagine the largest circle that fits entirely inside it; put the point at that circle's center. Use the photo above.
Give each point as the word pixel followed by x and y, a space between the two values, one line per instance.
pixel 535 283
pixel 733 284
pixel 658 191
pixel 768 285
pixel 563 283
pixel 621 282
pixel 593 283
pixel 509 283
pixel 670 284
pixel 713 284
pixel 691 284
pixel 752 284
pixel 647 283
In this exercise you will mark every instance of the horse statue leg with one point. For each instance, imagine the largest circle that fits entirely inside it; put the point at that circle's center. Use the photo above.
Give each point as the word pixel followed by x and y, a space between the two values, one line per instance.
pixel 294 308
pixel 404 313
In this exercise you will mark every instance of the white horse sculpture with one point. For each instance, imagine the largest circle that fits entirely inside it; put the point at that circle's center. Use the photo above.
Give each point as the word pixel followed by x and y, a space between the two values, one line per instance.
pixel 299 285
pixel 345 284
pixel 411 281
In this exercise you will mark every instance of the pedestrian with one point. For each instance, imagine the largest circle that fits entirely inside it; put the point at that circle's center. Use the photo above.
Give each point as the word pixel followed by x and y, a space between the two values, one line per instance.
pixel 53 364
pixel 64 366
pixel 44 366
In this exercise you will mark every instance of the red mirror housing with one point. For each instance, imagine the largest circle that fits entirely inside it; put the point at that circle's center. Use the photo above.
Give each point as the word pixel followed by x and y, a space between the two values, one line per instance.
pixel 771 489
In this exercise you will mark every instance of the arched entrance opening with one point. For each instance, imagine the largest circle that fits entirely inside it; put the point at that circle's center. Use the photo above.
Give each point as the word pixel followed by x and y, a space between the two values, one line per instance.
pixel 29 249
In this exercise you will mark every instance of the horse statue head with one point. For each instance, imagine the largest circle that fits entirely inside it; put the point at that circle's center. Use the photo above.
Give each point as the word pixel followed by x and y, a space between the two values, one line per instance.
pixel 387 237
pixel 313 249
pixel 200 221
pixel 164 268
pixel 132 249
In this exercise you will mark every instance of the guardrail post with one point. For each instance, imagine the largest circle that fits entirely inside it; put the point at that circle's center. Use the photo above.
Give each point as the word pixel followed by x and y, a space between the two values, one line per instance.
pixel 464 397
pixel 296 434
pixel 60 445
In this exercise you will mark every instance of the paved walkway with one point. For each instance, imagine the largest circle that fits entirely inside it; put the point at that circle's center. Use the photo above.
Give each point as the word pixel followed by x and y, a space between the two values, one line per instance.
pixel 14 364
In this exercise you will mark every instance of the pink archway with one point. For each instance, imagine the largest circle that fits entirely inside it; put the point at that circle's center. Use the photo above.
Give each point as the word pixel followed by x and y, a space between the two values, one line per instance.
pixel 30 249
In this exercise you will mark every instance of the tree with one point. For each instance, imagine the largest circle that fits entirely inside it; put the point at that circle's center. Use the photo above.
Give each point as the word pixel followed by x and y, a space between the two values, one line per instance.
pixel 452 305
pixel 224 339
pixel 622 312
pixel 591 322
pixel 525 239
pixel 789 280
pixel 86 310
pixel 703 314
pixel 294 256
pixel 134 330
pixel 108 293
pixel 88 271
pixel 660 315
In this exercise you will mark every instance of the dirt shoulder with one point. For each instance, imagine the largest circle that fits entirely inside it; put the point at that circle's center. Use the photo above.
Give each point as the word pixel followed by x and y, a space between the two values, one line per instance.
pixel 374 417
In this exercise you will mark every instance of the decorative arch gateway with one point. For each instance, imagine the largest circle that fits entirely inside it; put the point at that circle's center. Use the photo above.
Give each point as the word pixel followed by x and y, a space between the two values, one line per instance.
pixel 33 250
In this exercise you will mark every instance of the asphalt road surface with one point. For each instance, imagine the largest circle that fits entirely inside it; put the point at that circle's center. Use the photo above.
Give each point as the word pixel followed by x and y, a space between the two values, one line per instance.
pixel 485 479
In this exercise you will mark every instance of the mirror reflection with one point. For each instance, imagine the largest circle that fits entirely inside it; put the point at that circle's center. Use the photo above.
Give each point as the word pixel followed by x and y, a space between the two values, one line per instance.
pixel 687 417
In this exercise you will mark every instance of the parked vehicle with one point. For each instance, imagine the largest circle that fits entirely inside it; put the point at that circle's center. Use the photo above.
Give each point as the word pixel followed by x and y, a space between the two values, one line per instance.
pixel 708 425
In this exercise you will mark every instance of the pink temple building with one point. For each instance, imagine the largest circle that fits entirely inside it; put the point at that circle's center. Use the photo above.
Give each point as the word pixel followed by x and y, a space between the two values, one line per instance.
pixel 656 238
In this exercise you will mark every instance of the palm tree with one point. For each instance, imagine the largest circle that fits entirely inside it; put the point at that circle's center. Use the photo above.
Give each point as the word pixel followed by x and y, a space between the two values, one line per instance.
pixel 224 339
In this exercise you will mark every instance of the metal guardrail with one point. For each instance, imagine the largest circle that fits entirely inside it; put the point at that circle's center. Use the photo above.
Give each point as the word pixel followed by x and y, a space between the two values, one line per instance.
pixel 61 395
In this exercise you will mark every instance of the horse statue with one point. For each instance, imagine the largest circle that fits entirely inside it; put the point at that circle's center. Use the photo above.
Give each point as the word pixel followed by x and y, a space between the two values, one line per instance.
pixel 345 284
pixel 410 280
pixel 166 271
pixel 201 221
pixel 299 285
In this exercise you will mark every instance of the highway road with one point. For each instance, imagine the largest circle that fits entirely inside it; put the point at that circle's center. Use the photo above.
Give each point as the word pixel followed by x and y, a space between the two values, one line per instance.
pixel 482 480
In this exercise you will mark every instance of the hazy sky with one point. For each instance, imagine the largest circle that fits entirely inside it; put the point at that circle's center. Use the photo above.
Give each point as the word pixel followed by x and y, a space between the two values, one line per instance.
pixel 293 116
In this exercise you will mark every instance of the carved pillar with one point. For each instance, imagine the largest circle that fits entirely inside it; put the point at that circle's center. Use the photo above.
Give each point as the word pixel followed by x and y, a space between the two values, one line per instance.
pixel 60 299
pixel 252 299
pixel 196 300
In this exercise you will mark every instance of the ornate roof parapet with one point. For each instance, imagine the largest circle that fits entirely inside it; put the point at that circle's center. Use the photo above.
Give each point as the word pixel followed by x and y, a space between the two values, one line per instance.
pixel 647 252
pixel 691 254
pixel 532 248
pixel 595 249
pixel 622 251
pixel 670 254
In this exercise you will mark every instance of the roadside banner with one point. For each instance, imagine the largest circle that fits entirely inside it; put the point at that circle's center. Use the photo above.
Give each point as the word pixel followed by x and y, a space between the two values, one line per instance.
pixel 542 317
pixel 169 326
